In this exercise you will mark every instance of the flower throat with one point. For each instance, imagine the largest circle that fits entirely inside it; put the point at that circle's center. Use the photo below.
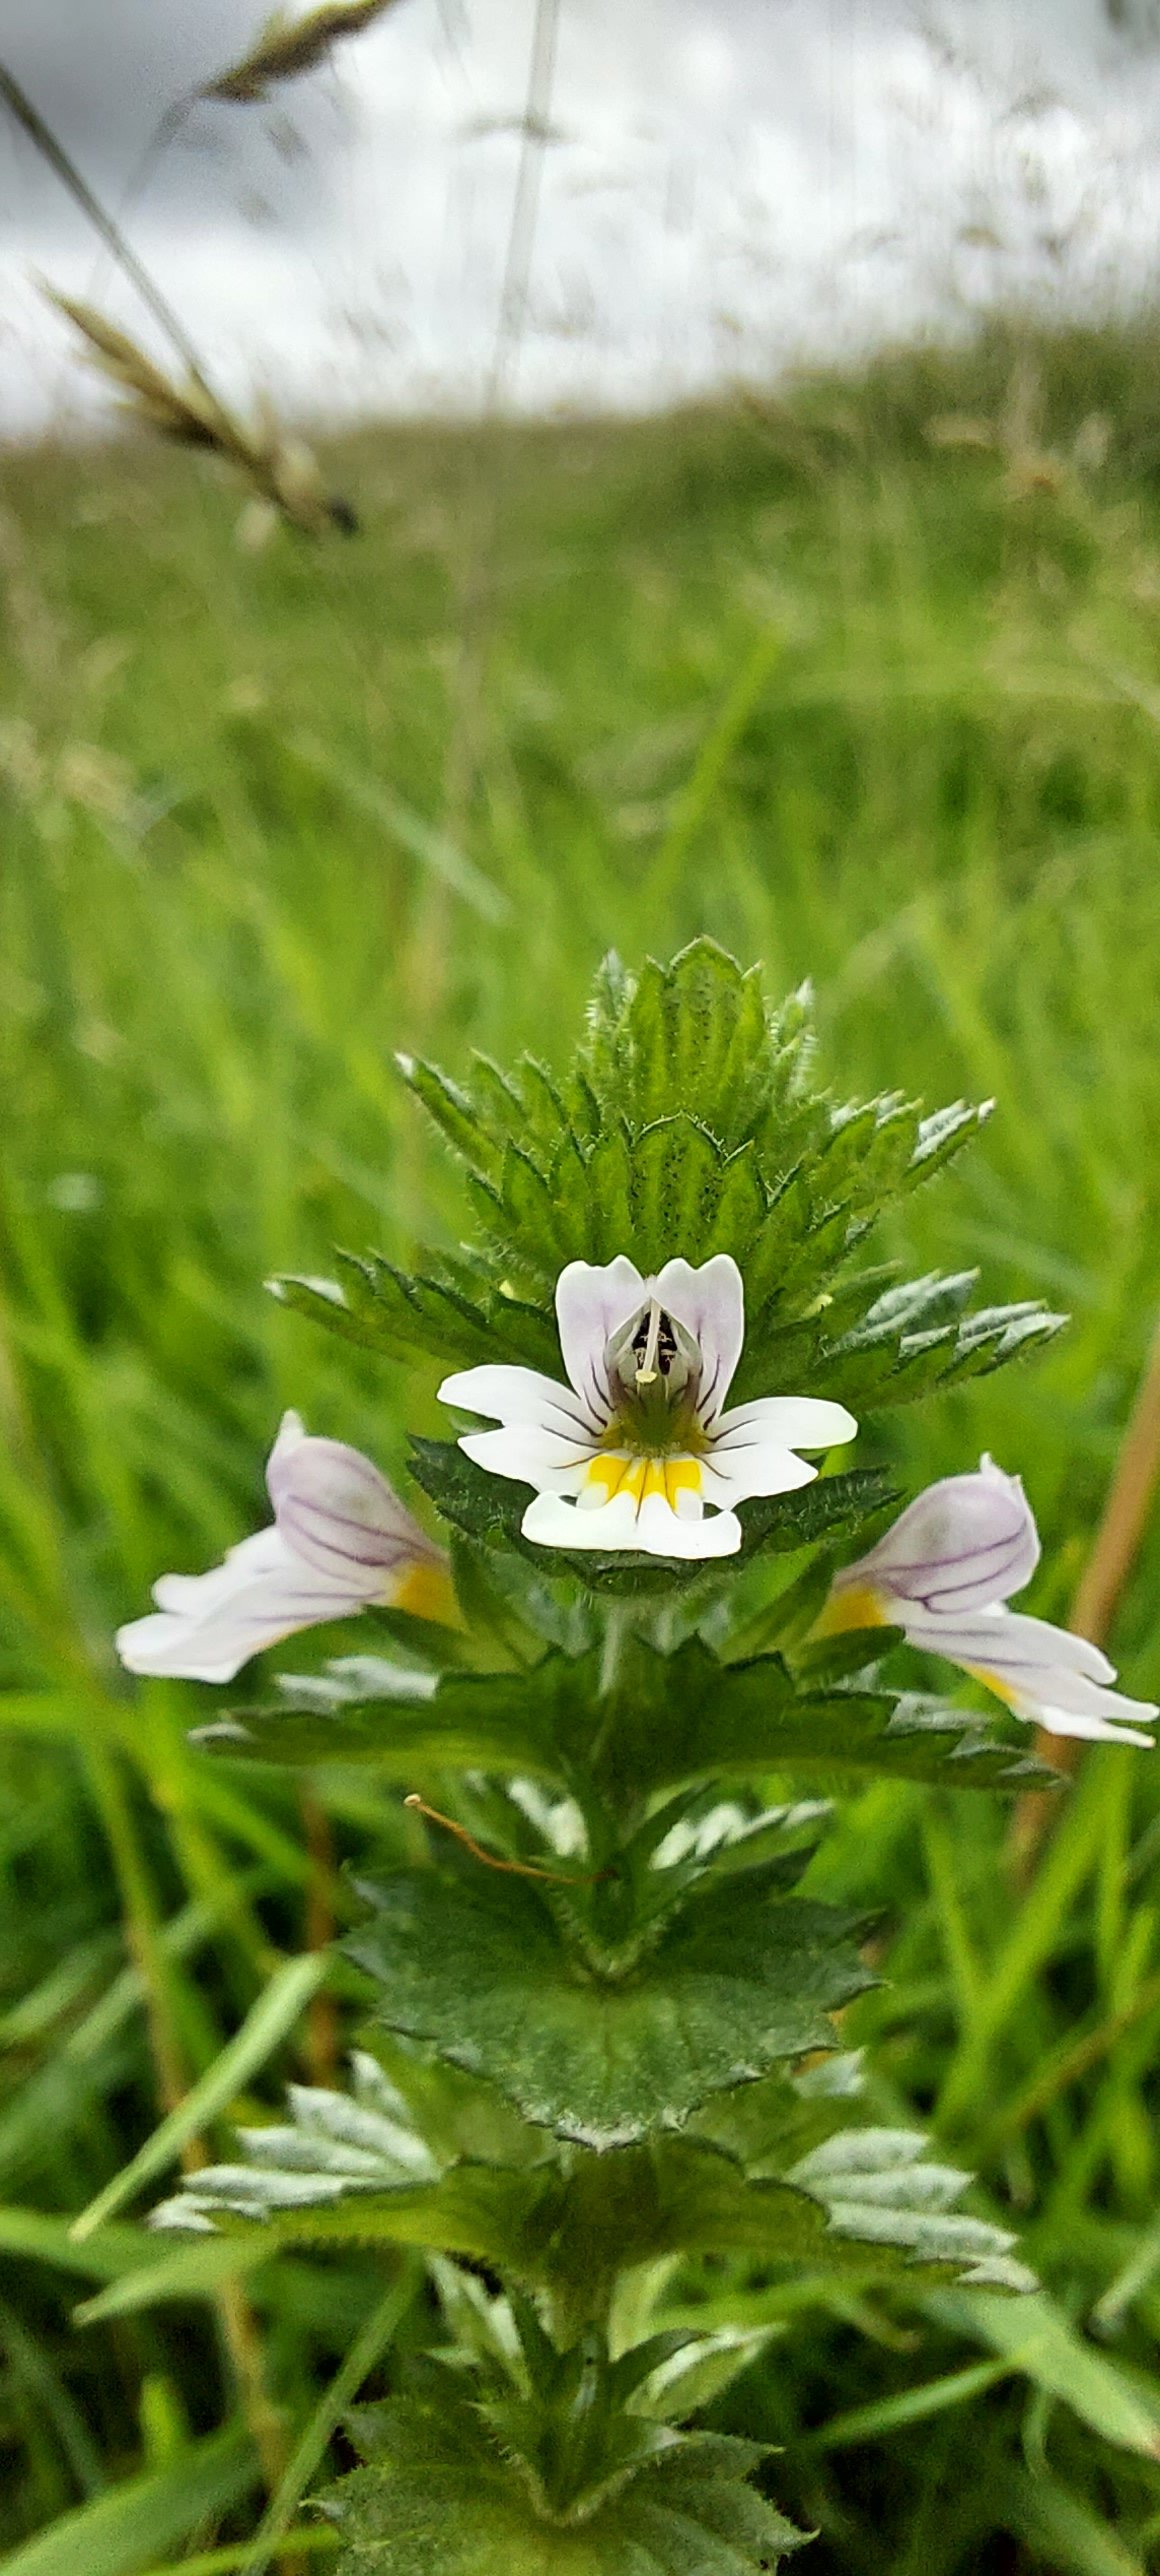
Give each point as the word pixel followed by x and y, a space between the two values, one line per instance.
pixel 656 1362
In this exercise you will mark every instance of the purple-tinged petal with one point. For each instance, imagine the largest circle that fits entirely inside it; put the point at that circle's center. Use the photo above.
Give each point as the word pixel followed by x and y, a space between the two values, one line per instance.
pixel 338 1513
pixel 710 1303
pixel 966 1543
pixel 342 1541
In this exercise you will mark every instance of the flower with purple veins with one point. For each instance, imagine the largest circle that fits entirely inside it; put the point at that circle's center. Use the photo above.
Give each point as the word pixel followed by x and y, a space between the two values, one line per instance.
pixel 944 1572
pixel 340 1542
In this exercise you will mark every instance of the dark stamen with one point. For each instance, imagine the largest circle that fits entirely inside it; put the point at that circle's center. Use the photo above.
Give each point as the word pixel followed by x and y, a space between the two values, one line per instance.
pixel 666 1349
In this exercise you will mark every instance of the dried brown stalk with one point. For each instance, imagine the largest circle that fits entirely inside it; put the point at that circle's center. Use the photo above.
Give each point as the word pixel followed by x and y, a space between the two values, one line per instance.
pixel 284 49
pixel 282 470
pixel 1117 1541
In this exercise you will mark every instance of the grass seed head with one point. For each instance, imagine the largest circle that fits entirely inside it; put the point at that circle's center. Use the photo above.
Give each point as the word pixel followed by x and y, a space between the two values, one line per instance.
pixel 285 48
pixel 283 471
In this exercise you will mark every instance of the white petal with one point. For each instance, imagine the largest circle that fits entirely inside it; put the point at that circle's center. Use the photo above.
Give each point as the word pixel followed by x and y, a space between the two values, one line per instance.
pixel 604 1527
pixel 612 1527
pixel 1094 1725
pixel 516 1396
pixel 265 1553
pixel 710 1303
pixel 1048 1676
pixel 965 1543
pixel 735 1475
pixel 338 1513
pixel 663 1532
pixel 592 1302
pixel 210 1624
pixel 791 1421
pixel 1024 1651
pixel 531 1457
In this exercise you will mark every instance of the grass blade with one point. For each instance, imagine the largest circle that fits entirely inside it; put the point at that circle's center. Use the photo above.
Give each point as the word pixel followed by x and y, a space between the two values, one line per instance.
pixel 273 2016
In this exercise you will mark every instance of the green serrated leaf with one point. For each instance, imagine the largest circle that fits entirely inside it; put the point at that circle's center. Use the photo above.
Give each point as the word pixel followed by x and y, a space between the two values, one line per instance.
pixel 404 1740
pixel 482 1970
pixel 465 1129
pixel 943 1134
pixel 426 1314
pixel 439 2499
pixel 697 1028
pixel 888 1361
pixel 675 1186
pixel 671 1720
pixel 323 1302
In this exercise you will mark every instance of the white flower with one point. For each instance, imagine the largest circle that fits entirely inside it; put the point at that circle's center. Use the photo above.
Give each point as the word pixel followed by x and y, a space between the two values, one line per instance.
pixel 944 1572
pixel 629 1453
pixel 341 1541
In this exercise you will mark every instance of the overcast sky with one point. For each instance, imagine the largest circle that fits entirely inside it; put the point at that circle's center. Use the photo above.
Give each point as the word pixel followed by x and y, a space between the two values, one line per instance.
pixel 730 186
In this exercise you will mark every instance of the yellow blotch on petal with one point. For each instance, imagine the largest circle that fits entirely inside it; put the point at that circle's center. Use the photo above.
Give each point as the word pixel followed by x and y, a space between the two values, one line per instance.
pixel 426 1591
pixel 859 1606
pixel 640 1477
pixel 992 1682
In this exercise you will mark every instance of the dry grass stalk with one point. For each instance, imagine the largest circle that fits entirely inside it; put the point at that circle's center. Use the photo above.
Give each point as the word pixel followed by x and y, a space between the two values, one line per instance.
pixel 286 48
pixel 282 470
pixel 1117 1541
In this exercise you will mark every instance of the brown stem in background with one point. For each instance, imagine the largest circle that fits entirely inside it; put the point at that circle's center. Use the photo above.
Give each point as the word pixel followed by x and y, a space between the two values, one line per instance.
pixel 322 2050
pixel 1117 1541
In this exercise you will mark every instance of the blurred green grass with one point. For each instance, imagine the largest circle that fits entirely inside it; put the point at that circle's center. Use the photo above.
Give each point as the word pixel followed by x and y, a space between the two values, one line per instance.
pixel 865 682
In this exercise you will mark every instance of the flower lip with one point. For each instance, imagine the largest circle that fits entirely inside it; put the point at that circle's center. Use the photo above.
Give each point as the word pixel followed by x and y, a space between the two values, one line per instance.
pixel 944 1572
pixel 631 1451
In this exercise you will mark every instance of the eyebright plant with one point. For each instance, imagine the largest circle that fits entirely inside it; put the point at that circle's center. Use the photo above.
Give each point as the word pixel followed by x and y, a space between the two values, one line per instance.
pixel 601 2047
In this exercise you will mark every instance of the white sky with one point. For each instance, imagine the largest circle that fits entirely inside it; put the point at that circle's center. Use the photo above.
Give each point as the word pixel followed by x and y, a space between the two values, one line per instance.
pixel 732 186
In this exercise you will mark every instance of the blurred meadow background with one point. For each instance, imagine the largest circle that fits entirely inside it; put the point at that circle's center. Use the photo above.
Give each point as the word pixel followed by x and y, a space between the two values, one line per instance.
pixel 845 651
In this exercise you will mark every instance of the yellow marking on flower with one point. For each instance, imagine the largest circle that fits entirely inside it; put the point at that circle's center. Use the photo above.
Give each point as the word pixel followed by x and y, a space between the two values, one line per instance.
pixel 857 1606
pixel 992 1682
pixel 426 1591
pixel 640 1477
